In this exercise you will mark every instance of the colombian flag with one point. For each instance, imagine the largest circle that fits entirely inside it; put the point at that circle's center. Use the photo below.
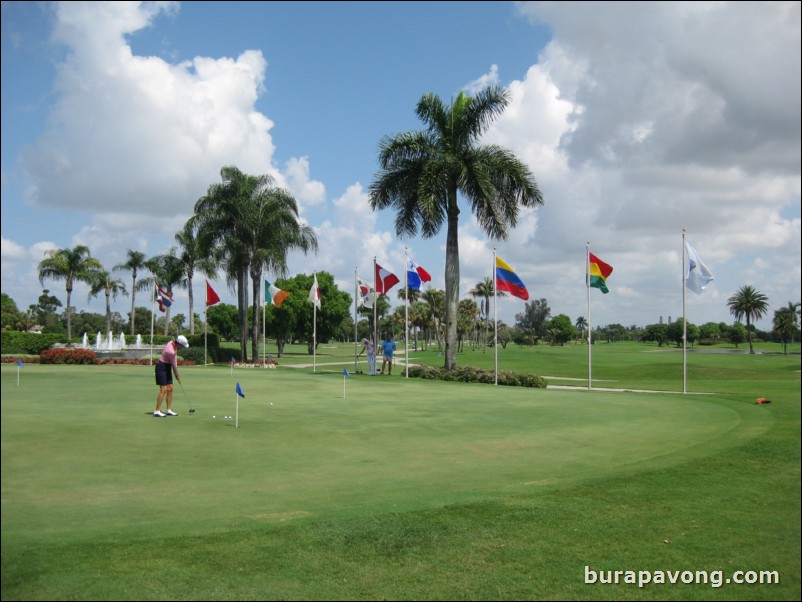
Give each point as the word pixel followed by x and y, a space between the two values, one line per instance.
pixel 507 280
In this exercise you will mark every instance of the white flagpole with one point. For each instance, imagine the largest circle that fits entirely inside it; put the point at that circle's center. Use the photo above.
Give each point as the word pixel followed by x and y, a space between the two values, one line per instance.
pixel 684 322
pixel 264 329
pixel 236 410
pixel 314 328
pixel 590 327
pixel 356 315
pixel 205 333
pixel 152 320
pixel 375 305
pixel 495 316
pixel 406 312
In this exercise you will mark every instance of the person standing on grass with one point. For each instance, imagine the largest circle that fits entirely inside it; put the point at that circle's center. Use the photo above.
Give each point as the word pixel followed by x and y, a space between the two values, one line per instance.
pixel 165 367
pixel 388 346
pixel 370 350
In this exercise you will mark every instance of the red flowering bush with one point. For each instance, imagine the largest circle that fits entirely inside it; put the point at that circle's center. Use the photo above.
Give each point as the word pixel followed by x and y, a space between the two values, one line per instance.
pixel 66 355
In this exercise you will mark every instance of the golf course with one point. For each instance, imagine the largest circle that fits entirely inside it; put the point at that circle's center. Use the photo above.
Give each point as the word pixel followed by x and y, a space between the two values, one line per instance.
pixel 319 482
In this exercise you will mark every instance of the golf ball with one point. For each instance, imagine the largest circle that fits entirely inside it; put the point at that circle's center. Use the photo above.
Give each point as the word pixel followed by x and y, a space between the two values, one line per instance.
pixel 214 416
pixel 271 403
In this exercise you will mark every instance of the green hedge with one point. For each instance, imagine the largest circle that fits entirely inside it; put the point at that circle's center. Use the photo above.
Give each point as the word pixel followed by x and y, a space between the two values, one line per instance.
pixel 27 343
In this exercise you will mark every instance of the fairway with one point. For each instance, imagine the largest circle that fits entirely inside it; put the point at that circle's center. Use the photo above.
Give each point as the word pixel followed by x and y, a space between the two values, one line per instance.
pixel 84 462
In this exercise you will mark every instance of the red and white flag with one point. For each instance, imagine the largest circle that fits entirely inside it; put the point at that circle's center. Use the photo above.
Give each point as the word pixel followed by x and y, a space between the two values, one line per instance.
pixel 211 297
pixel 385 280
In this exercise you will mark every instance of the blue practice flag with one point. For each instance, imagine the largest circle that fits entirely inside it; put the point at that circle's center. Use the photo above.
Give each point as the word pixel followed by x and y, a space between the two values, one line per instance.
pixel 345 372
pixel 240 392
pixel 20 364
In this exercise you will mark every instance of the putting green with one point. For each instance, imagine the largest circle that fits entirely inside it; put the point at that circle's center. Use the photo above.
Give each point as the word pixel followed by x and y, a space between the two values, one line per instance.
pixel 81 457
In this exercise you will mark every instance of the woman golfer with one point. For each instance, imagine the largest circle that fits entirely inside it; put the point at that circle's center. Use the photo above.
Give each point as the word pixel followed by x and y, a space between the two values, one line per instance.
pixel 167 364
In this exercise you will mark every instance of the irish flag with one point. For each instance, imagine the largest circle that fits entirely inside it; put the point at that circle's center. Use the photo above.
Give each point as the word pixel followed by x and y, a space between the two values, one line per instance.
pixel 274 294
pixel 599 271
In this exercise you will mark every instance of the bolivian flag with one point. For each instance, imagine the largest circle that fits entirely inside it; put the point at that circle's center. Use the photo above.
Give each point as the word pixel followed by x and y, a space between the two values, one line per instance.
pixel 599 271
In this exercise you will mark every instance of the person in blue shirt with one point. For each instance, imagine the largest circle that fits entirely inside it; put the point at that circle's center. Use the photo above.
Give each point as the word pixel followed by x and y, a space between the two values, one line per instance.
pixel 388 346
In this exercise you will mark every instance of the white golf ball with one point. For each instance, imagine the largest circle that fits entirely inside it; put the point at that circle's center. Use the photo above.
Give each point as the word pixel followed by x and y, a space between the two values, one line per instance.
pixel 214 416
pixel 271 403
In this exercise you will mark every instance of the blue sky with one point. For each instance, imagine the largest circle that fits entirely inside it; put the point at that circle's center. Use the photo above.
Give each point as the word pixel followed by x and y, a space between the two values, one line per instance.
pixel 637 120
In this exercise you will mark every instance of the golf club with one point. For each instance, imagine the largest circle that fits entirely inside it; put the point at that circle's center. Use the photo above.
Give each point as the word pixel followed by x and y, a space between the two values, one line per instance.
pixel 191 409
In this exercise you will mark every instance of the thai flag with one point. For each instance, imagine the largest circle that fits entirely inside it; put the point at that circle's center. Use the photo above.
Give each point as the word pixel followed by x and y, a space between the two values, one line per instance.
pixel 163 299
pixel 416 275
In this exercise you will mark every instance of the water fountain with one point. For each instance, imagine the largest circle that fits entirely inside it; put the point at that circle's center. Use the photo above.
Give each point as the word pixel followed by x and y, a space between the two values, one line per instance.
pixel 85 342
pixel 110 346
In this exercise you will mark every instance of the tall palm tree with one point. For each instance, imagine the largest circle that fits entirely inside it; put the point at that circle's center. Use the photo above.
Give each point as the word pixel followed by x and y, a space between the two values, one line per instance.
pixel 193 259
pixel 71 265
pixel 168 273
pixel 271 229
pixel 220 220
pixel 111 287
pixel 135 261
pixel 436 300
pixel 422 173
pixel 750 304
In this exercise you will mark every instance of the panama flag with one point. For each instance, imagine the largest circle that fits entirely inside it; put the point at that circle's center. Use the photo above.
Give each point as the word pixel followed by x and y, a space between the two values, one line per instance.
pixel 163 299
pixel 416 275
pixel 385 280
pixel 274 294
pixel 314 293
pixel 507 280
pixel 697 276
pixel 367 296
pixel 211 297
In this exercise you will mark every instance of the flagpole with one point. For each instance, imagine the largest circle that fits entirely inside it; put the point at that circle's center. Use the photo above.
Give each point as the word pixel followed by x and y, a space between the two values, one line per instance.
pixel 684 322
pixel 264 330
pixel 406 312
pixel 356 334
pixel 314 328
pixel 205 331
pixel 375 304
pixel 236 410
pixel 495 317
pixel 590 327
pixel 152 320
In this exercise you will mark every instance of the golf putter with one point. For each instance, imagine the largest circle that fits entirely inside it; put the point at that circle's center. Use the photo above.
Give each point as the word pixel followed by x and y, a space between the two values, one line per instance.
pixel 191 409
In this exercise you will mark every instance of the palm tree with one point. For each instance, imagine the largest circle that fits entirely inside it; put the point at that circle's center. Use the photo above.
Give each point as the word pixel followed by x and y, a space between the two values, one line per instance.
pixel 422 173
pixel 111 287
pixel 168 273
pixel 581 325
pixel 135 262
pixel 193 259
pixel 786 325
pixel 73 265
pixel 750 304
pixel 271 229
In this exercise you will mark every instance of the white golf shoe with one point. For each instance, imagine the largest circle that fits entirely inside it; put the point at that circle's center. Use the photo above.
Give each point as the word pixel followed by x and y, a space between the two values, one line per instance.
pixel 171 413
pixel 158 414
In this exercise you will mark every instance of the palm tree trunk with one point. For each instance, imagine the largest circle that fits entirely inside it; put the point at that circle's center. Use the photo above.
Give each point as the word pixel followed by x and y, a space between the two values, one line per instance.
pixel 242 301
pixel 256 280
pixel 133 302
pixel 452 282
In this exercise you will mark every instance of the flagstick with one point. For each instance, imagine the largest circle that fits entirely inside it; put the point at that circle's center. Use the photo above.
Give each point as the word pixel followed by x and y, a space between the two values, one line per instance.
pixel 495 316
pixel 17 375
pixel 590 327
pixel 684 322
pixel 236 410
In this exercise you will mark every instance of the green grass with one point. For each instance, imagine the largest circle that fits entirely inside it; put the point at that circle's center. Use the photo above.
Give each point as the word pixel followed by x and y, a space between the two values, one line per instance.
pixel 391 488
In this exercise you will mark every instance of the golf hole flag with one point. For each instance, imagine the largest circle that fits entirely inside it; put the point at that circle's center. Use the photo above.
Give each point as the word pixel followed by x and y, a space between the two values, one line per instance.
pixel 599 271
pixel 697 276
pixel 507 280
pixel 240 392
